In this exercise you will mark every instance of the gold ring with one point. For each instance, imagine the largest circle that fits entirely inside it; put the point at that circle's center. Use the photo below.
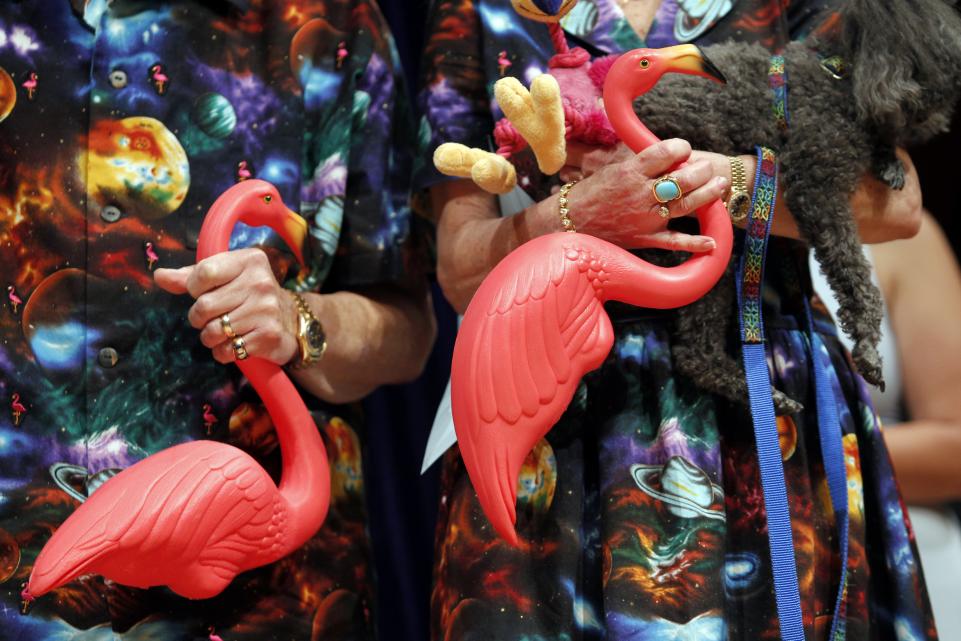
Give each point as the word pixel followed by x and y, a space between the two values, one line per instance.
pixel 228 329
pixel 666 189
pixel 240 348
pixel 664 212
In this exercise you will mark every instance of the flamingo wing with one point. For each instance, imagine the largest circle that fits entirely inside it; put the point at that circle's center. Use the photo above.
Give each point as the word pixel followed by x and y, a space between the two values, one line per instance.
pixel 532 331
pixel 201 502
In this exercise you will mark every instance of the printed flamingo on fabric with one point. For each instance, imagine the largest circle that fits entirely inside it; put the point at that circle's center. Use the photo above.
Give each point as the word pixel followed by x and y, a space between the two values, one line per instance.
pixel 537 323
pixel 194 516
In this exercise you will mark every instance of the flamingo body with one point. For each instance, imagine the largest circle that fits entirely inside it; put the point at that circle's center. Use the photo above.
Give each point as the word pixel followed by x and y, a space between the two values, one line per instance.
pixel 195 515
pixel 537 324
pixel 191 517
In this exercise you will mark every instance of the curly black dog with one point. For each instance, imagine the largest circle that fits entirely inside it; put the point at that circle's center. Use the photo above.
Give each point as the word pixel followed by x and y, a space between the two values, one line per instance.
pixel 897 82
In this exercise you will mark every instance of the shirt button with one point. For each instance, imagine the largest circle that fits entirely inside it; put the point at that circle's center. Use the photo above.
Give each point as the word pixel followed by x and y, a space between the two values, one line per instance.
pixel 108 357
pixel 110 213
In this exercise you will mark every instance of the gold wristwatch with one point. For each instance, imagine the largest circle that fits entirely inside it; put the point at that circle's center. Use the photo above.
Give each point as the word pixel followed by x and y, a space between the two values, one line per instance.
pixel 738 201
pixel 310 335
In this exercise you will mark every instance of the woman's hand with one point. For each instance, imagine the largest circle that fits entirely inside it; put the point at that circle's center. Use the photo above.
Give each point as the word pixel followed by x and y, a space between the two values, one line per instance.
pixel 241 285
pixel 615 199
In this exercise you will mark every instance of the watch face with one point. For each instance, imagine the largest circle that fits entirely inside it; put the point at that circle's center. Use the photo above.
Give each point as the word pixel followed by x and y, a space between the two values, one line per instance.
pixel 738 206
pixel 315 336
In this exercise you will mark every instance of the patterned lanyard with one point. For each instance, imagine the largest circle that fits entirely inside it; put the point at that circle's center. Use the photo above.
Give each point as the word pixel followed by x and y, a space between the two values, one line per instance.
pixel 749 285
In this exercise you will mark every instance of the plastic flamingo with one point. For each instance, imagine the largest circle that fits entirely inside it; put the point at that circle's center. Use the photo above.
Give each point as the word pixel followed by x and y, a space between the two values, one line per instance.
pixel 537 323
pixel 243 171
pixel 210 419
pixel 151 255
pixel 158 78
pixel 17 408
pixel 194 516
pixel 15 301
pixel 503 62
pixel 30 84
pixel 341 53
pixel 213 636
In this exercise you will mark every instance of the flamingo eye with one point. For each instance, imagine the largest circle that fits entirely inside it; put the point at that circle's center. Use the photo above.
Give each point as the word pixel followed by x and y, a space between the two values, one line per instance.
pixel 645 63
pixel 268 198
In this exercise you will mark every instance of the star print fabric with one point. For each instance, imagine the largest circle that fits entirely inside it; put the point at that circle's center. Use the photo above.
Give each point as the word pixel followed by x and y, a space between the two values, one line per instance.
pixel 120 123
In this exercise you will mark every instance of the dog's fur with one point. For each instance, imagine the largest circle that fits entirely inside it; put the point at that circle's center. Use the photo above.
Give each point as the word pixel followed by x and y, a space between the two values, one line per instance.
pixel 902 79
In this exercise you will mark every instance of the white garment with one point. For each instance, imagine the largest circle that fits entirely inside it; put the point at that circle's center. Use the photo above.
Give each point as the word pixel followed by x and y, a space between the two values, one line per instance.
pixel 937 530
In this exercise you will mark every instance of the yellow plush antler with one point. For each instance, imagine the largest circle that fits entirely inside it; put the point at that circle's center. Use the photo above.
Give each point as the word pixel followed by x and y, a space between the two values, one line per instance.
pixel 538 116
pixel 490 172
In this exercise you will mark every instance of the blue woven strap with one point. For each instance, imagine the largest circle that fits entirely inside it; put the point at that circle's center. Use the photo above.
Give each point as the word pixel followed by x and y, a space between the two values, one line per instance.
pixel 749 280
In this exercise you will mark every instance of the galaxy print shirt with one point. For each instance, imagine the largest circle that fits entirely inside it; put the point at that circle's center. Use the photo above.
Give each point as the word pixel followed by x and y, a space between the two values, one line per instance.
pixel 119 126
pixel 640 515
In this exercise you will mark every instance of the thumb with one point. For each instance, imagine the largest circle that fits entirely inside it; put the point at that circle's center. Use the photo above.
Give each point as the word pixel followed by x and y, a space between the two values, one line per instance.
pixel 173 280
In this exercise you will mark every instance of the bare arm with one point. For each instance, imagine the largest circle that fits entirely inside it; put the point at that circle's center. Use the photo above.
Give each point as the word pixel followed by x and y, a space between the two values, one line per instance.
pixel 922 284
pixel 378 336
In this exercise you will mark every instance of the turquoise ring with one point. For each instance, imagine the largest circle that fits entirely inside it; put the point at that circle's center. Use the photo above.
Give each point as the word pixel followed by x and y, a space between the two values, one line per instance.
pixel 666 189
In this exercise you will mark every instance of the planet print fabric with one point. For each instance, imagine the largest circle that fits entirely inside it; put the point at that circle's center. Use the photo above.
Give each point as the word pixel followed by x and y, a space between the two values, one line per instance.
pixel 641 515
pixel 120 123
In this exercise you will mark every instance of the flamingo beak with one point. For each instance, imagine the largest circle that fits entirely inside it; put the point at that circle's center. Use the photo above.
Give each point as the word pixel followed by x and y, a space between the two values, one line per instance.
pixel 690 59
pixel 294 232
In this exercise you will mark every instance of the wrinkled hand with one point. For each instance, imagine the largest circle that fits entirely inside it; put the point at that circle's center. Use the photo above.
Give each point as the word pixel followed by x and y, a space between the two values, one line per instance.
pixel 615 199
pixel 241 285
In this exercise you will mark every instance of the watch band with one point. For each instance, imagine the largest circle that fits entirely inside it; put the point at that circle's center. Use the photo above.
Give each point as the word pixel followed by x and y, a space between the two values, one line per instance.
pixel 738 201
pixel 307 324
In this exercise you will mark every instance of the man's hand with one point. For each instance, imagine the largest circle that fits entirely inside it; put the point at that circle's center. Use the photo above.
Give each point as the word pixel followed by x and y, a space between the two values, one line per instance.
pixel 241 285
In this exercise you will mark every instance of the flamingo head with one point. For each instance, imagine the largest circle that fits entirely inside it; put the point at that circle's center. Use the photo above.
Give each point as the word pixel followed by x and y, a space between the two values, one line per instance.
pixel 155 69
pixel 259 204
pixel 640 69
pixel 543 10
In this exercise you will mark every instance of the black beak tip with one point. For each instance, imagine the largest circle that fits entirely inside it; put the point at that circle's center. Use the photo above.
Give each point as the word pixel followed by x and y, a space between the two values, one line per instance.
pixel 711 69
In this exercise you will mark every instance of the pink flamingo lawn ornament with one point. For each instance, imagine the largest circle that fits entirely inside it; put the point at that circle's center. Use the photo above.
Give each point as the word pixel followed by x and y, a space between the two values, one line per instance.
pixel 151 255
pixel 30 84
pixel 210 419
pixel 17 409
pixel 341 53
pixel 503 63
pixel 158 78
pixel 243 171
pixel 537 323
pixel 15 301
pixel 193 516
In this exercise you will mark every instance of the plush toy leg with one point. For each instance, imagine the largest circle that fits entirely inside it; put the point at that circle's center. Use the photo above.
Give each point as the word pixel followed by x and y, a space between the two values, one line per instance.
pixel 490 172
pixel 538 115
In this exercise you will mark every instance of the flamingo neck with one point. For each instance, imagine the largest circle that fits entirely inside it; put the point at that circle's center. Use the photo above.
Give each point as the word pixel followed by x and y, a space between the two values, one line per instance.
pixel 305 479
pixel 558 38
pixel 619 105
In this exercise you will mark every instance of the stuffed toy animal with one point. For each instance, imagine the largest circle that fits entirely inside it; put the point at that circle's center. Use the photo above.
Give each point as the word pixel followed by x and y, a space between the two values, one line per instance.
pixel 563 104
pixel 887 75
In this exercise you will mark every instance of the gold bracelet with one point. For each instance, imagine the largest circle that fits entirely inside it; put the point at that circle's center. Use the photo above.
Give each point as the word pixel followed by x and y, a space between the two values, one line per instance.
pixel 566 220
pixel 738 200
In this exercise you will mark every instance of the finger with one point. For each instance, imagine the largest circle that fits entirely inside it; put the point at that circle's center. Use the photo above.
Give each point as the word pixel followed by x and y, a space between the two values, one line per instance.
pixel 218 270
pixel 690 201
pixel 172 280
pixel 243 320
pixel 662 157
pixel 676 241
pixel 258 343
pixel 570 174
pixel 212 305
